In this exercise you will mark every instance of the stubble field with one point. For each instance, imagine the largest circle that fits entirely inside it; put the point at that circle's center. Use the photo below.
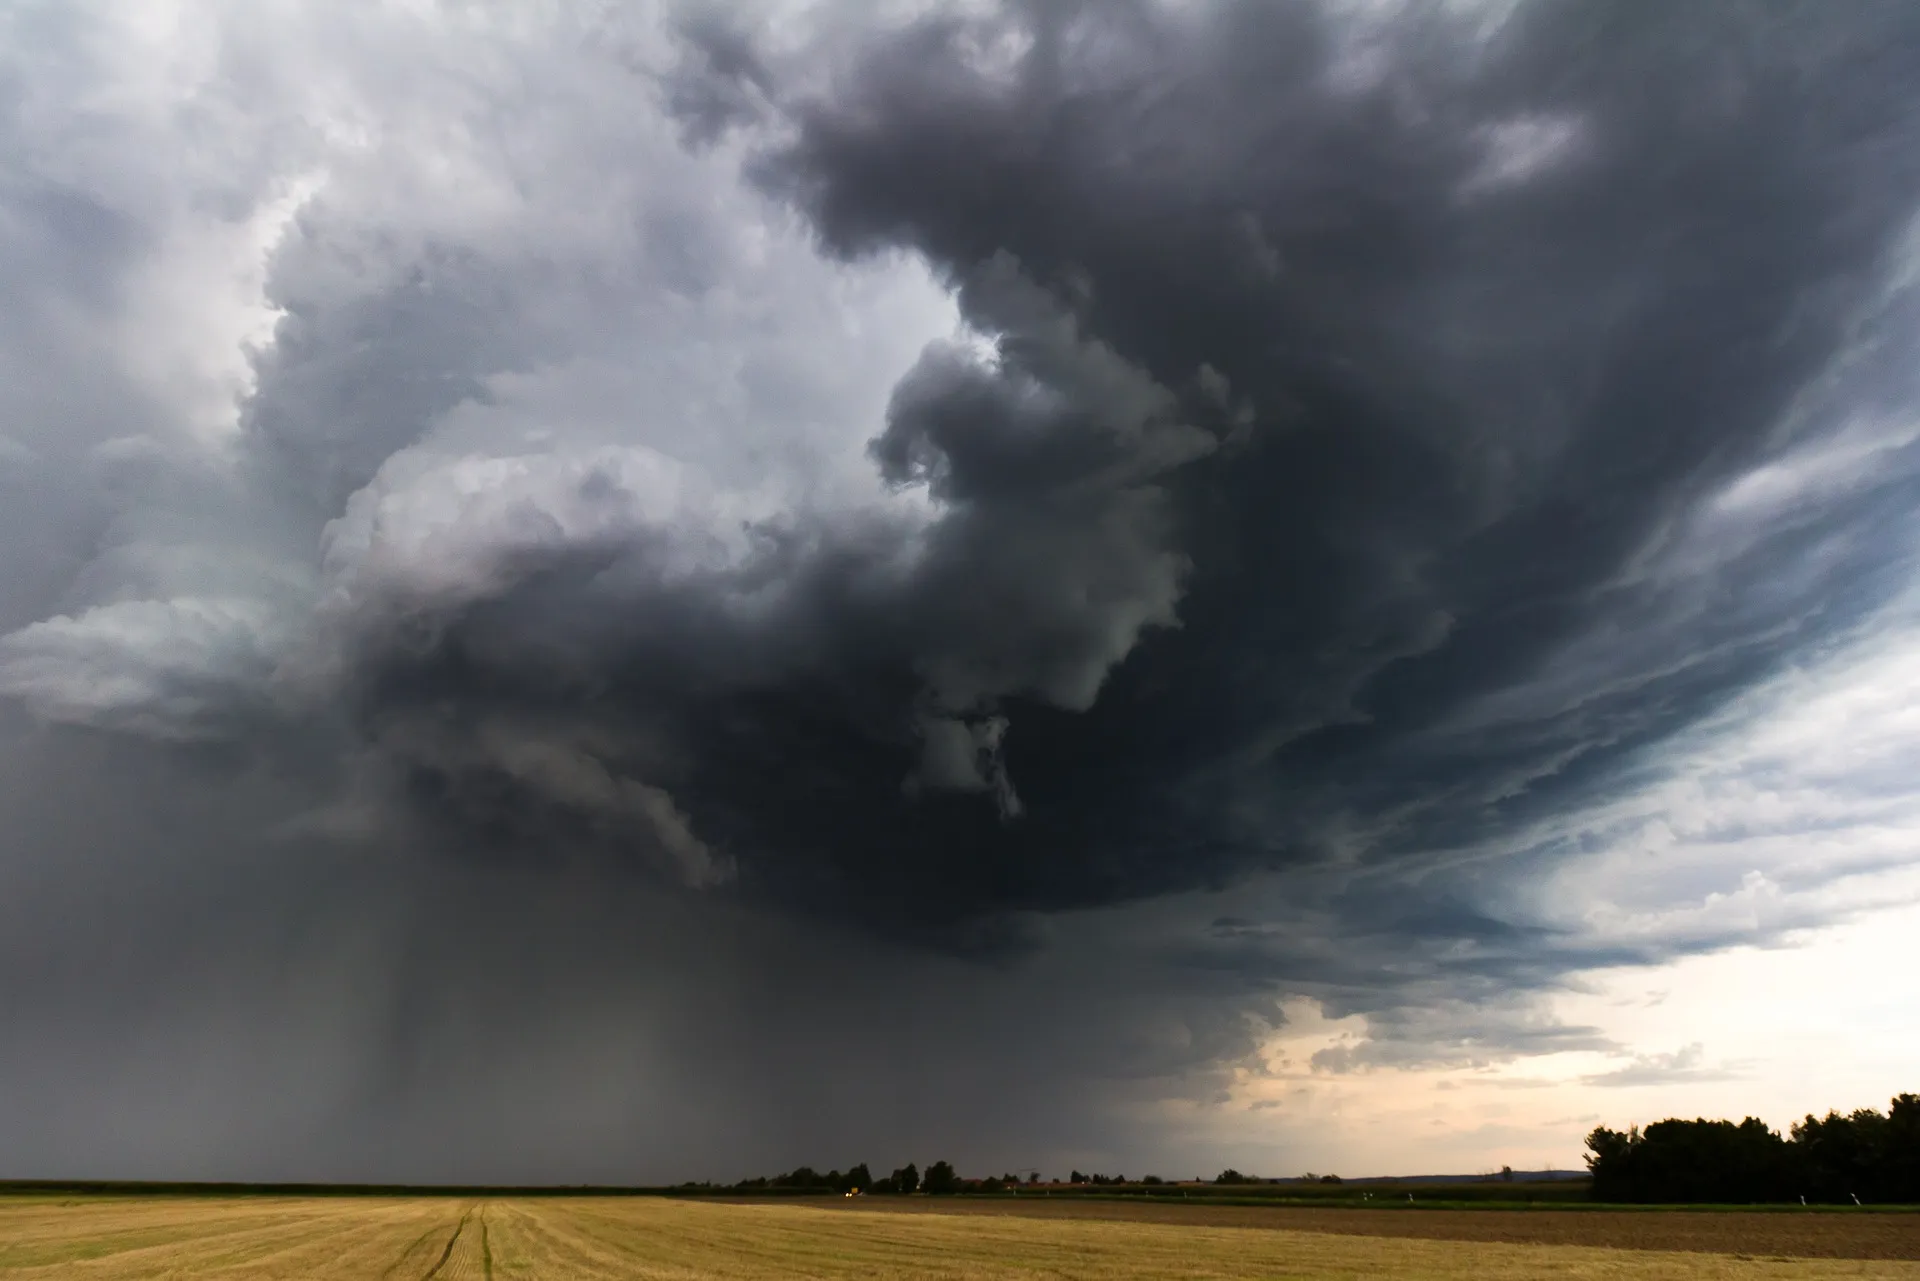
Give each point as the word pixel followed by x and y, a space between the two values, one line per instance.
pixel 413 1239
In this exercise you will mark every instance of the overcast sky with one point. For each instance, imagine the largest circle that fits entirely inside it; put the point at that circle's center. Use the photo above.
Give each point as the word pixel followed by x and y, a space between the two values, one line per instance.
pixel 614 592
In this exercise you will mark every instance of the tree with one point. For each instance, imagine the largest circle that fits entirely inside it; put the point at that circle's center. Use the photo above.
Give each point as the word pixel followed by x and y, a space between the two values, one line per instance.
pixel 1608 1154
pixel 1231 1175
pixel 1843 1156
pixel 1903 1149
pixel 1698 1160
pixel 1076 1177
pixel 1840 1157
pixel 941 1180
pixel 905 1180
pixel 857 1179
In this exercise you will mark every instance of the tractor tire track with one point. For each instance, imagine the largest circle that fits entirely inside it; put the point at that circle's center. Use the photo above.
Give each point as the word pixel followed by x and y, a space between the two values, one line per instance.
pixel 447 1252
pixel 405 1254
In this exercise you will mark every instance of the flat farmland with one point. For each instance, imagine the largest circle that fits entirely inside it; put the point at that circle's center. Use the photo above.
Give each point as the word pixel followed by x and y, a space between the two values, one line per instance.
pixel 416 1239
pixel 1816 1234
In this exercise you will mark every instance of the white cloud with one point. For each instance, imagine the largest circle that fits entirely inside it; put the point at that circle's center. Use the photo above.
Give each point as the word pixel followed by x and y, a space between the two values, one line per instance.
pixel 437 532
pixel 630 319
pixel 176 669
pixel 1516 151
pixel 1792 807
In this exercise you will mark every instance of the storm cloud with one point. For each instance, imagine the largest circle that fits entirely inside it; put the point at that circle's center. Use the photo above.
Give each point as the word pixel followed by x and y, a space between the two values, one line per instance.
pixel 1147 510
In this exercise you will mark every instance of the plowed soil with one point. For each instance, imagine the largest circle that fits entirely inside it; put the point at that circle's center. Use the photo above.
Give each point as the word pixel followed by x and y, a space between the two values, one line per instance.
pixel 1810 1234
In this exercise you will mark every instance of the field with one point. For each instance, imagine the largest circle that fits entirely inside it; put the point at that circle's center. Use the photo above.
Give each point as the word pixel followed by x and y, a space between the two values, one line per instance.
pixel 1771 1232
pixel 413 1239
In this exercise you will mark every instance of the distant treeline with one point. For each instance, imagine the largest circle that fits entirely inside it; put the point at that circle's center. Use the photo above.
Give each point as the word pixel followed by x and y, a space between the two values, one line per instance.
pixel 941 1179
pixel 1865 1156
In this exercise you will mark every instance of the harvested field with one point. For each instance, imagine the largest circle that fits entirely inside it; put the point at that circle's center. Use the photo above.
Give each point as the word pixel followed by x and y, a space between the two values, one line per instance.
pixel 418 1239
pixel 1809 1234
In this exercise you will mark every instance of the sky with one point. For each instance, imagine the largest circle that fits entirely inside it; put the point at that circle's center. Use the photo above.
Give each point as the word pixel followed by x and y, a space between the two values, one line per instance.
pixel 638 592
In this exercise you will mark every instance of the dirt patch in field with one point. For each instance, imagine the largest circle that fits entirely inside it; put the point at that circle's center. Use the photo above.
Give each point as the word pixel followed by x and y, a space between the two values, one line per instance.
pixel 1814 1234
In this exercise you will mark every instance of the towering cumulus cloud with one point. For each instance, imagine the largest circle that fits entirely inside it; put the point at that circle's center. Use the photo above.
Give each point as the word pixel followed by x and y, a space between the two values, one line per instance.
pixel 1113 517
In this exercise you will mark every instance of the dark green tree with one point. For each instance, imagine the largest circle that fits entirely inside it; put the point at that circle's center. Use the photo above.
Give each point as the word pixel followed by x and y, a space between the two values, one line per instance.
pixel 1903 1150
pixel 1842 1157
pixel 803 1177
pixel 1834 1158
pixel 941 1180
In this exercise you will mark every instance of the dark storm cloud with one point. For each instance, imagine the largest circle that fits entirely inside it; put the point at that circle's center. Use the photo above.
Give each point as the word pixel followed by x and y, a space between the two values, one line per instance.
pixel 197 989
pixel 1347 386
pixel 1344 455
pixel 607 649
pixel 1477 394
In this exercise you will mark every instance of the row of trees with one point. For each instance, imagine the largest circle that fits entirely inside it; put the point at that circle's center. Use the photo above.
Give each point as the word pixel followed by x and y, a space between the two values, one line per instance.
pixel 1864 1156
pixel 941 1179
pixel 807 1179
